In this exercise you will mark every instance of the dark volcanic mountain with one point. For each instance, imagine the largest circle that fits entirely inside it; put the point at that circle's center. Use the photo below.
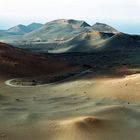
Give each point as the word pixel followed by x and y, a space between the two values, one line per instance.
pixel 17 62
pixel 63 36
pixel 84 42
pixel 100 41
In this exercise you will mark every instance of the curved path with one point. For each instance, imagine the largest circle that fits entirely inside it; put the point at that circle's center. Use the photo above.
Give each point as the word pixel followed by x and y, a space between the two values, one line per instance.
pixel 8 82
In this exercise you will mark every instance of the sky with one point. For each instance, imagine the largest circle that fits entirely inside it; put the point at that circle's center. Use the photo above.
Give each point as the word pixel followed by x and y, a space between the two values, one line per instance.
pixel 121 14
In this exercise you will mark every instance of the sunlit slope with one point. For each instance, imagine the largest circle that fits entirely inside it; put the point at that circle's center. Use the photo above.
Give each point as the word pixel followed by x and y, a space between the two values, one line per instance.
pixel 58 30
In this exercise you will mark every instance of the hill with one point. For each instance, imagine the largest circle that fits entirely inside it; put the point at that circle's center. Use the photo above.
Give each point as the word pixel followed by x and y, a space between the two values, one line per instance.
pixel 101 27
pixel 101 41
pixel 121 42
pixel 22 29
pixel 16 32
pixel 33 26
pixel 84 42
pixel 63 36
pixel 58 30
pixel 17 62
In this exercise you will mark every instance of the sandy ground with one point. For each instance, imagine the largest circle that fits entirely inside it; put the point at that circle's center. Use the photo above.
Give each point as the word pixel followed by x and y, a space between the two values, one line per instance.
pixel 81 109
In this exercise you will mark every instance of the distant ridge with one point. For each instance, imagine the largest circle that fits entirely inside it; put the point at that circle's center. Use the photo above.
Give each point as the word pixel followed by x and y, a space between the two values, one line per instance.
pixel 101 27
pixel 68 35
pixel 18 30
pixel 22 29
pixel 57 30
pixel 33 26
pixel 81 23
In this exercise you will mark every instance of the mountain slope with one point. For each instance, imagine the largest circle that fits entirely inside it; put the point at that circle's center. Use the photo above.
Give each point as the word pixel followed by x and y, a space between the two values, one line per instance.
pixel 58 30
pixel 66 36
pixel 101 27
pixel 121 42
pixel 17 62
pixel 62 36
pixel 33 26
pixel 18 30
pixel 101 41
pixel 84 42
pixel 22 29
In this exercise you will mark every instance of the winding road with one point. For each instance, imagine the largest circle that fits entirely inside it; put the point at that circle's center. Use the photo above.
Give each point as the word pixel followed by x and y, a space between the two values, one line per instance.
pixel 8 82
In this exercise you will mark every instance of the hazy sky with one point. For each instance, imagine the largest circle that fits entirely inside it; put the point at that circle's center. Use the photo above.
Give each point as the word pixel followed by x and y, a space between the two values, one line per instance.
pixel 123 14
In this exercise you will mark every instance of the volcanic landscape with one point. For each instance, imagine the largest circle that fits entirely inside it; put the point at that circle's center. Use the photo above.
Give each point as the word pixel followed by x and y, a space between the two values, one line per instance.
pixel 68 80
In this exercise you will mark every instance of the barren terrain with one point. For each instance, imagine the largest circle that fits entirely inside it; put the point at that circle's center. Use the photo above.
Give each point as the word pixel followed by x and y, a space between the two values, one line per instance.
pixel 88 90
pixel 80 109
